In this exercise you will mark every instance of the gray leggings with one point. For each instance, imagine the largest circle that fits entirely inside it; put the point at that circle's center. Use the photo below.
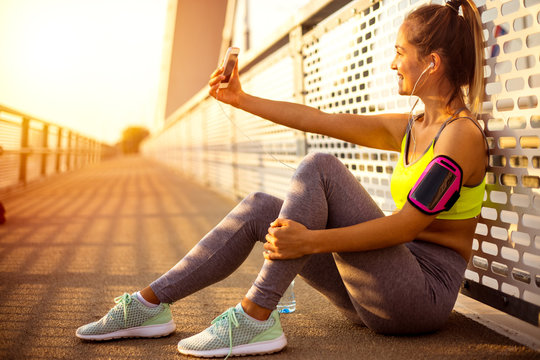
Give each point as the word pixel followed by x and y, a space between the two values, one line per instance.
pixel 403 289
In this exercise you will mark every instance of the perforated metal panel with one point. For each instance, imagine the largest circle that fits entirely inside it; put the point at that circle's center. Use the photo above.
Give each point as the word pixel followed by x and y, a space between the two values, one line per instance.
pixel 353 76
pixel 347 69
pixel 264 150
pixel 507 241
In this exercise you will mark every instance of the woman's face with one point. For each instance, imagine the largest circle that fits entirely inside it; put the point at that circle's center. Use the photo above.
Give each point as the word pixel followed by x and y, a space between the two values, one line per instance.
pixel 406 63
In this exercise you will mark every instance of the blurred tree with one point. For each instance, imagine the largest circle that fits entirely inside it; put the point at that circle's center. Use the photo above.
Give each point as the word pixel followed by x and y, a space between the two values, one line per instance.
pixel 132 137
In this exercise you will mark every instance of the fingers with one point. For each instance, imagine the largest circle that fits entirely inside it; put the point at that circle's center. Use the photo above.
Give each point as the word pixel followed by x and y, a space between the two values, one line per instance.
pixel 214 91
pixel 217 72
pixel 268 255
pixel 280 222
pixel 269 247
pixel 216 80
pixel 270 239
pixel 271 253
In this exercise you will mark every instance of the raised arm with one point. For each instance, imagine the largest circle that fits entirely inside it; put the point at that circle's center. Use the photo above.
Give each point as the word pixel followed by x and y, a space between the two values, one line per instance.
pixel 375 131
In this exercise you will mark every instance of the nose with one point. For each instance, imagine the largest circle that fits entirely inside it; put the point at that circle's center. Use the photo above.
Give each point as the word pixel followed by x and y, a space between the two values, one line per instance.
pixel 393 65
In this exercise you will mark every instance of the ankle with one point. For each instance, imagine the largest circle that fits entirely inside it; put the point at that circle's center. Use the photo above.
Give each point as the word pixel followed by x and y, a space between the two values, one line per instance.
pixel 255 311
pixel 148 294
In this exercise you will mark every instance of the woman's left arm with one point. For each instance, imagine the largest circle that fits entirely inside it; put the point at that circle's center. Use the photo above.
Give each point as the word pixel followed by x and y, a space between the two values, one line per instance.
pixel 287 239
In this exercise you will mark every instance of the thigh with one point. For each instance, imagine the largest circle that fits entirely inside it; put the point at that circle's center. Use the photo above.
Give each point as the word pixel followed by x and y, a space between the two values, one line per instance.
pixel 381 289
pixel 391 291
pixel 325 194
pixel 321 273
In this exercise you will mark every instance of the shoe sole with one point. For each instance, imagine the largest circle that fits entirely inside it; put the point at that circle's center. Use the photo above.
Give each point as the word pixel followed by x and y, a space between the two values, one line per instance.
pixel 258 348
pixel 150 331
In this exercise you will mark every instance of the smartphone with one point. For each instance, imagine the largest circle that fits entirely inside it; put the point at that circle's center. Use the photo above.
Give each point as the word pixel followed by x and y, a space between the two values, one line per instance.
pixel 230 61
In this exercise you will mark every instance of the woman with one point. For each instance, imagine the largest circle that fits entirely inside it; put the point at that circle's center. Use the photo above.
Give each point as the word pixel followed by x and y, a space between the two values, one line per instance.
pixel 328 230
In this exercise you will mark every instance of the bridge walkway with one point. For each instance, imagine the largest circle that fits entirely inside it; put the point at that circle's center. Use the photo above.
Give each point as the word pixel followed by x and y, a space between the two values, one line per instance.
pixel 73 242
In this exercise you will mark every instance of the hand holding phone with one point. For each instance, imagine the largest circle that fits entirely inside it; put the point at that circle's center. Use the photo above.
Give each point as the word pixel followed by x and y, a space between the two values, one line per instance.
pixel 229 62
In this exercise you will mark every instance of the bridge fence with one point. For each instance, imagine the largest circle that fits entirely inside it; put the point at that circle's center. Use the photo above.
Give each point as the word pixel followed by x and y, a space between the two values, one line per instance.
pixel 31 149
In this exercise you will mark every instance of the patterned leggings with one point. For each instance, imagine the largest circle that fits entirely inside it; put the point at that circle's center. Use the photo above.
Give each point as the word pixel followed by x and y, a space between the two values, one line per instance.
pixel 404 289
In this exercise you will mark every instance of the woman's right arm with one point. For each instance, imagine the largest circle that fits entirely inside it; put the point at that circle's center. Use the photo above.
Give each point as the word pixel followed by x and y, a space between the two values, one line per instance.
pixel 375 131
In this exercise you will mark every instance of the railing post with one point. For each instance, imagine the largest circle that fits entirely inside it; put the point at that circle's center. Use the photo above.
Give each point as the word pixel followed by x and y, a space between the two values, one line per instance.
pixel 45 149
pixel 25 127
pixel 77 152
pixel 68 151
pixel 59 150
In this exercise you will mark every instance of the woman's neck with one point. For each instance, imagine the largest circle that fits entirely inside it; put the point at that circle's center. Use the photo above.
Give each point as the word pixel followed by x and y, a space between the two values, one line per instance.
pixel 437 109
pixel 436 96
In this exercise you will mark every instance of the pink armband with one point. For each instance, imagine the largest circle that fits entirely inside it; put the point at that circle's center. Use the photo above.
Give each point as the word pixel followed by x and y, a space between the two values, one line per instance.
pixel 438 187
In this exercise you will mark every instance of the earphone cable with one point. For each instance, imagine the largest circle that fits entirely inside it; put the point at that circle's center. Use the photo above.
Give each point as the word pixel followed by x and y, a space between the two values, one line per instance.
pixel 250 139
pixel 411 119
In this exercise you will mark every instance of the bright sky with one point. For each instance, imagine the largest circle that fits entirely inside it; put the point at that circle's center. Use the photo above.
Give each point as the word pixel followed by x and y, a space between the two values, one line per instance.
pixel 90 65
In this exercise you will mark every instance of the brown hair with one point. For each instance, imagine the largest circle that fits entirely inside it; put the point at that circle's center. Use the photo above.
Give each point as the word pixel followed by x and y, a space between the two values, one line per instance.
pixel 458 39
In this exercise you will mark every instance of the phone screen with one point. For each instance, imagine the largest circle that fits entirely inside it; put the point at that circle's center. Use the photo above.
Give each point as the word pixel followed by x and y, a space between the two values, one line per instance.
pixel 433 186
pixel 229 67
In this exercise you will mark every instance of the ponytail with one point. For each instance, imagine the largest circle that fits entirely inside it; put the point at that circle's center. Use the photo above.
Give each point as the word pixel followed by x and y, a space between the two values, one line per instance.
pixel 476 83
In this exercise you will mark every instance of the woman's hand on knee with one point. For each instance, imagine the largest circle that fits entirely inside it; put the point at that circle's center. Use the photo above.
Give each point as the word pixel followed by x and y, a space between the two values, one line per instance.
pixel 286 239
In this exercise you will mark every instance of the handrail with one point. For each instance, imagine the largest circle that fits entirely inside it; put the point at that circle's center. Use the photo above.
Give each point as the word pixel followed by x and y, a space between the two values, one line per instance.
pixel 29 152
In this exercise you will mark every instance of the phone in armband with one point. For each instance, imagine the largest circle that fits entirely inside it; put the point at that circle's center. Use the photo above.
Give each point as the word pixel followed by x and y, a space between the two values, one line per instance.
pixel 438 187
pixel 230 61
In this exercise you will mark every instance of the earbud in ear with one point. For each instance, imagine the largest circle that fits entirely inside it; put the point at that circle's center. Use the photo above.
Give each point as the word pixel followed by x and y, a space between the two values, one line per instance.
pixel 431 65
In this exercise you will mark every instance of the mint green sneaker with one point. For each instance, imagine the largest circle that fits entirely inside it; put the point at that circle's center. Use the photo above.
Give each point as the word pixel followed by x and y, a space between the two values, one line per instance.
pixel 130 318
pixel 234 334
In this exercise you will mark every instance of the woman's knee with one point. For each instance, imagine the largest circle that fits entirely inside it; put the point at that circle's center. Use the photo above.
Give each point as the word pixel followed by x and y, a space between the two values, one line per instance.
pixel 261 205
pixel 259 198
pixel 320 158
pixel 320 162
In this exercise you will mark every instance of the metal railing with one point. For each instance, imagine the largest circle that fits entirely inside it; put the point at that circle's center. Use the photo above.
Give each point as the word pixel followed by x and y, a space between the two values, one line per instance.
pixel 338 60
pixel 31 149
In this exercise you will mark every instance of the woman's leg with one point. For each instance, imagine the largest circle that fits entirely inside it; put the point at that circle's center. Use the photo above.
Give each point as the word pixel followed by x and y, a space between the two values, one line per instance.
pixel 217 255
pixel 323 194
pixel 392 290
pixel 221 251
pixel 320 191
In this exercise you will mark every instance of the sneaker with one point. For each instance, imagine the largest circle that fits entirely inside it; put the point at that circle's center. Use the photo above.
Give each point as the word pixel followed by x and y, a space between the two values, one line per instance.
pixel 130 318
pixel 233 333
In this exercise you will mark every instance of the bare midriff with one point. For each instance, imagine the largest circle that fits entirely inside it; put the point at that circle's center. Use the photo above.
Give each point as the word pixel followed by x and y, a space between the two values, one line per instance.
pixel 453 234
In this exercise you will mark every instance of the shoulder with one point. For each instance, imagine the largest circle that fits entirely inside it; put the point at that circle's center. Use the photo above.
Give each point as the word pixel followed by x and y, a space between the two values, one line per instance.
pixel 463 141
pixel 462 134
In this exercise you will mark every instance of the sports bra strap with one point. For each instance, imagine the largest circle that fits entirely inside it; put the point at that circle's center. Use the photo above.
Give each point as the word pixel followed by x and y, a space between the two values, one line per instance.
pixel 452 119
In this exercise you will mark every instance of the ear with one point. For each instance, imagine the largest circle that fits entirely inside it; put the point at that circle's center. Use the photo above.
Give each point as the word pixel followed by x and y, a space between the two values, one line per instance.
pixel 436 60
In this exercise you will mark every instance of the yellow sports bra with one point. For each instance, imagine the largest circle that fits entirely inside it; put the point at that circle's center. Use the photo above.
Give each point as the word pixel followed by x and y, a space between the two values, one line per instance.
pixel 405 176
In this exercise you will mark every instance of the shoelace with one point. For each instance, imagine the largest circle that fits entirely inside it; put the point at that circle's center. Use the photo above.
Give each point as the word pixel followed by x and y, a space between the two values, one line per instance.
pixel 230 317
pixel 124 300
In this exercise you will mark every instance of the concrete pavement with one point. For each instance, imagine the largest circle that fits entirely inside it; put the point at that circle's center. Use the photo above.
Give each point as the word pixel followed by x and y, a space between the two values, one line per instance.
pixel 74 242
